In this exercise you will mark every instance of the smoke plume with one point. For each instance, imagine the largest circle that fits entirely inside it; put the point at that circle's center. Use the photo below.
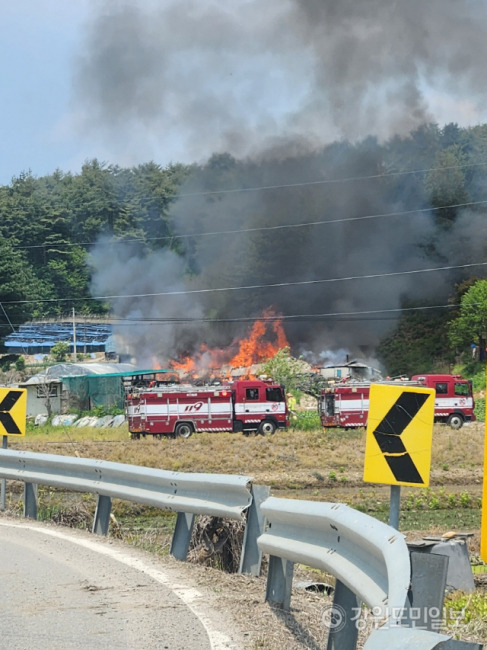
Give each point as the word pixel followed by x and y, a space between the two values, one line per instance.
pixel 273 85
pixel 192 77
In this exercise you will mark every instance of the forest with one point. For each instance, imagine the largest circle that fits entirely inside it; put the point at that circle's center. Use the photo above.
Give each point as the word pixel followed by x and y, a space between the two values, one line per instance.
pixel 361 249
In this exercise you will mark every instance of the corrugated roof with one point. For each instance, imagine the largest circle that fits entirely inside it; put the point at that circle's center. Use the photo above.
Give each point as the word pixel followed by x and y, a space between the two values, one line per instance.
pixel 61 370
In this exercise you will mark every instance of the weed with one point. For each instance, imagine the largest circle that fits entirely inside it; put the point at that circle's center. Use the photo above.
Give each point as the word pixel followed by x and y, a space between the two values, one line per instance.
pixel 466 614
pixel 434 503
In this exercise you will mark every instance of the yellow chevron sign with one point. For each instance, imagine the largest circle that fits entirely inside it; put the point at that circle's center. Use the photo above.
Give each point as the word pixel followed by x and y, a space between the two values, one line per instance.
pixel 399 435
pixel 13 409
pixel 483 525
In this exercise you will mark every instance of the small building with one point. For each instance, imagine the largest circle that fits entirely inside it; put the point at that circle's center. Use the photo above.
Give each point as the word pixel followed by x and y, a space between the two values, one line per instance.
pixel 351 370
pixel 68 387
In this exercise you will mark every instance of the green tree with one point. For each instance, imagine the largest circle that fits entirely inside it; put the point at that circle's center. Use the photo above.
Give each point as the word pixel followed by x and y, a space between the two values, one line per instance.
pixel 19 288
pixel 284 369
pixel 153 189
pixel 469 327
pixel 60 350
pixel 418 344
pixel 446 184
pixel 92 200
pixel 20 364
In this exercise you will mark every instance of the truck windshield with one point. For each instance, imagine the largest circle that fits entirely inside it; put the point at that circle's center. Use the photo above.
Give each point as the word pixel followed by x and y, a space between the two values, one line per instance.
pixel 274 395
pixel 462 389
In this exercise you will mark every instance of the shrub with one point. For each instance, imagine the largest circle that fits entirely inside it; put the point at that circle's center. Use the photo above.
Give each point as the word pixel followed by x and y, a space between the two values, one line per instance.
pixel 20 364
pixel 306 421
pixel 479 409
pixel 59 351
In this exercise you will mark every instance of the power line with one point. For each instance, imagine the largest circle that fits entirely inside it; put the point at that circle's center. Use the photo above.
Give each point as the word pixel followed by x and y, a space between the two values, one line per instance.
pixel 255 286
pixel 271 319
pixel 307 224
pixel 328 181
pixel 371 314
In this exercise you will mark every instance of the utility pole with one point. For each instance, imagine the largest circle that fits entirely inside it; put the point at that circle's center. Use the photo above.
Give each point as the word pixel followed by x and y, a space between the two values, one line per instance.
pixel 74 336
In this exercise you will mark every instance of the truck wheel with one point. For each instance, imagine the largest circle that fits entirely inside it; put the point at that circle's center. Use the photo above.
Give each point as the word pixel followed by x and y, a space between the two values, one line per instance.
pixel 183 430
pixel 455 421
pixel 267 428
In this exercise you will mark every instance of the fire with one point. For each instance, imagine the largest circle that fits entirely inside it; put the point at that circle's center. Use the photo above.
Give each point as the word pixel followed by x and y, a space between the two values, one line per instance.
pixel 265 339
pixel 257 347
pixel 187 365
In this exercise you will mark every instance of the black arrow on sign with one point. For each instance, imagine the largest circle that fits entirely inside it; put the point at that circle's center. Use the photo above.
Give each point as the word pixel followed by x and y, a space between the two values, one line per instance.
pixel 6 405
pixel 388 436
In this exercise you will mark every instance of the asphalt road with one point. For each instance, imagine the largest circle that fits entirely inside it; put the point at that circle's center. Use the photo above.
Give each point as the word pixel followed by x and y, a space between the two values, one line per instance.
pixel 63 589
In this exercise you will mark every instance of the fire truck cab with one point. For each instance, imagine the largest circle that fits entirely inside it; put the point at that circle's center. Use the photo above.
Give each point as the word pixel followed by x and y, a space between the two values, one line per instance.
pixel 346 404
pixel 454 401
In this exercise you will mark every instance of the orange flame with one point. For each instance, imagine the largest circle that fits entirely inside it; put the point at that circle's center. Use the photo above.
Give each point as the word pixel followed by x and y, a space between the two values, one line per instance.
pixel 186 365
pixel 265 339
pixel 257 347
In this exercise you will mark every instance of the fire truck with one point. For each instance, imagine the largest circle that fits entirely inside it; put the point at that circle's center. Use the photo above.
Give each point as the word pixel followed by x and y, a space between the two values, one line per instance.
pixel 346 405
pixel 181 410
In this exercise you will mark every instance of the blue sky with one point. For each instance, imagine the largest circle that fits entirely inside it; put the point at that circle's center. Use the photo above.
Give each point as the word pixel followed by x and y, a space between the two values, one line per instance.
pixel 201 76
pixel 38 39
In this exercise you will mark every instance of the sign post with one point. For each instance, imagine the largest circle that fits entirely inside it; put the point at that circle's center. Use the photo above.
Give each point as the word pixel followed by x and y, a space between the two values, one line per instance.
pixel 399 438
pixel 483 525
pixel 13 408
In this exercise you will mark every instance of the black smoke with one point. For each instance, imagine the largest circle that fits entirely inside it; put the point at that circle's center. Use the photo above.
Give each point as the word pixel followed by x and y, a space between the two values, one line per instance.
pixel 186 78
pixel 305 98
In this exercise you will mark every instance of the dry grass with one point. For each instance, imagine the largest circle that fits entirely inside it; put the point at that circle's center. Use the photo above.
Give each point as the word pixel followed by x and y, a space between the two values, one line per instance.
pixel 289 459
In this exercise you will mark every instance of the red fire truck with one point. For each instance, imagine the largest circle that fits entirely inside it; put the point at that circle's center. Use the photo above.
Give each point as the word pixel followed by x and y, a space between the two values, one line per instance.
pixel 346 404
pixel 180 410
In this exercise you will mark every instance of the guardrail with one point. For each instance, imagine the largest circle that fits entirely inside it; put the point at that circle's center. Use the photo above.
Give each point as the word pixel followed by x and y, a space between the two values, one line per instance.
pixel 372 564
pixel 369 557
pixel 370 560
pixel 217 495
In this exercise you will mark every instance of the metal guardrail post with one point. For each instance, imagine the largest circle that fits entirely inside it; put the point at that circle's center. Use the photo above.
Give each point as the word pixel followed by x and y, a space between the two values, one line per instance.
pixel 181 538
pixel 343 630
pixel 3 482
pixel 424 603
pixel 30 500
pixel 279 582
pixel 251 557
pixel 102 515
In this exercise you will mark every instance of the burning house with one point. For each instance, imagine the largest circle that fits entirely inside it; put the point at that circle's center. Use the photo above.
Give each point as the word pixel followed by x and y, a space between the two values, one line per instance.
pixel 241 359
